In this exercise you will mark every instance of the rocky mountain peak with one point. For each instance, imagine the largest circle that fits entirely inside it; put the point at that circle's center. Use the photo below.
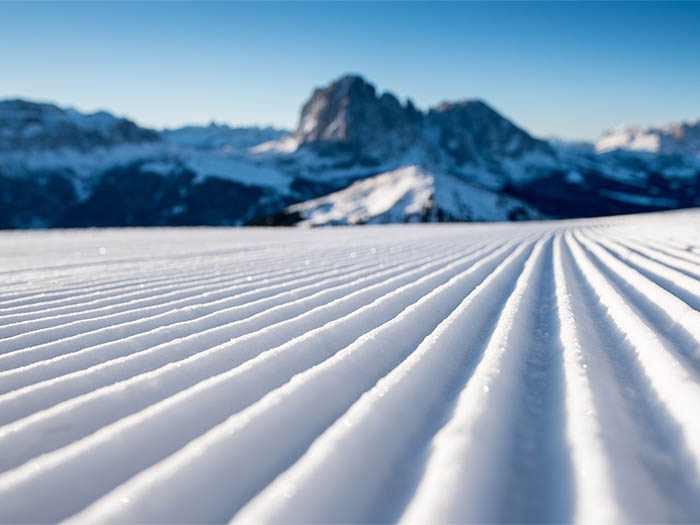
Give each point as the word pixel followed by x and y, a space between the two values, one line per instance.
pixel 349 118
pixel 471 132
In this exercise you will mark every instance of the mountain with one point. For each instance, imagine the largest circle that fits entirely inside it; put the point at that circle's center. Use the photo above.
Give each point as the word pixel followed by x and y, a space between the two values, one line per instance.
pixel 347 131
pixel 356 156
pixel 36 126
pixel 63 168
pixel 682 138
pixel 348 120
pixel 348 124
pixel 471 134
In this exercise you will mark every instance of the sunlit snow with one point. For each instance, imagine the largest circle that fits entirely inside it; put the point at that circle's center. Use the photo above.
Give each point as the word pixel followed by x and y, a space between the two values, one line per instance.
pixel 532 372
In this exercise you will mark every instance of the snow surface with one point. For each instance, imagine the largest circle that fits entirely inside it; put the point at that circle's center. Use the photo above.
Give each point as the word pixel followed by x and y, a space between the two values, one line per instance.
pixel 532 372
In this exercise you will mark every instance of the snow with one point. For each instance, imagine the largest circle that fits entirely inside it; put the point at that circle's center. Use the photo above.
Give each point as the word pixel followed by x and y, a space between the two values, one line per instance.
pixel 286 144
pixel 408 190
pixel 531 372
pixel 236 169
pixel 221 137
pixel 159 167
pixel 677 138
pixel 214 150
pixel 160 158
pixel 405 195
pixel 629 137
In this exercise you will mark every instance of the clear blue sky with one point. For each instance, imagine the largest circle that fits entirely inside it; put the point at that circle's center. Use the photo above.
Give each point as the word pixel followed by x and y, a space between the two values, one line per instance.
pixel 564 69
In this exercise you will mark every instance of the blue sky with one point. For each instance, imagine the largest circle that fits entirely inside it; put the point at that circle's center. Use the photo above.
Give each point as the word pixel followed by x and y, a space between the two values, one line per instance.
pixel 565 69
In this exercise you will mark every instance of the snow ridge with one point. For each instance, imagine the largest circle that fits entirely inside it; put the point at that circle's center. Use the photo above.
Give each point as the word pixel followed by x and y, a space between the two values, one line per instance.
pixel 543 371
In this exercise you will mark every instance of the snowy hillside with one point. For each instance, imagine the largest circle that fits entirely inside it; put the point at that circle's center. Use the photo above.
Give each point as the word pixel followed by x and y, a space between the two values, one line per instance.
pixel 531 372
pixel 410 194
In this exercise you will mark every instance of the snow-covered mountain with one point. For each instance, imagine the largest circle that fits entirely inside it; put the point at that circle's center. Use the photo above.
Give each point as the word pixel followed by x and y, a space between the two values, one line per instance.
pixel 409 194
pixel 35 126
pixel 348 131
pixel 60 167
pixel 457 161
pixel 681 138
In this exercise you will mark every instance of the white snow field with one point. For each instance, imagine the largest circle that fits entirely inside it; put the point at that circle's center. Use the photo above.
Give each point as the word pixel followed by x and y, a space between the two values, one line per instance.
pixel 530 372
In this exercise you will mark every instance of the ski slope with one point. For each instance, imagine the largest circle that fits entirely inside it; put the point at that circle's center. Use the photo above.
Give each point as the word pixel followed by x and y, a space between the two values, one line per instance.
pixel 532 372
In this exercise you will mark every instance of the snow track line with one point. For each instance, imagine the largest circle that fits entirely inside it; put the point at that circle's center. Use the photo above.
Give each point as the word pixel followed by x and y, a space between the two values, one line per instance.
pixel 649 257
pixel 534 372
pixel 132 292
pixel 128 302
pixel 172 349
pixel 62 290
pixel 361 364
pixel 225 355
pixel 65 294
pixel 238 384
pixel 75 295
pixel 266 264
pixel 441 359
pixel 243 289
pixel 247 292
pixel 678 324
pixel 676 261
pixel 646 484
pixel 470 455
pixel 590 467
pixel 131 260
pixel 676 389
pixel 679 252
pixel 667 272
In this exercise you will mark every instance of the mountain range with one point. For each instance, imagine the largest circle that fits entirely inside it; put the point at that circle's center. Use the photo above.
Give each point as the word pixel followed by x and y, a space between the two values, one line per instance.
pixel 357 156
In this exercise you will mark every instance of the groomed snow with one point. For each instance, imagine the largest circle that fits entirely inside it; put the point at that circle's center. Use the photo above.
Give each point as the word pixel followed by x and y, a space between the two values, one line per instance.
pixel 531 372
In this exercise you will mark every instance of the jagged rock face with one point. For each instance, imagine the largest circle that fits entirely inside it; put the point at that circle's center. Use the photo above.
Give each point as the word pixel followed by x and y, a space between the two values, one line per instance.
pixel 32 126
pixel 470 132
pixel 348 117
